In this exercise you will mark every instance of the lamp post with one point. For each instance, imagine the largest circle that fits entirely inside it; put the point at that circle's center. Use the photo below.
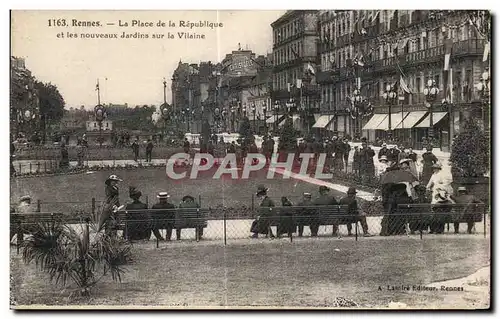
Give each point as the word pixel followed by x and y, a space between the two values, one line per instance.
pixel 390 97
pixel 430 91
pixel 186 114
pixel 100 114
pixel 224 119
pixel 264 110
pixel 484 88
pixel 244 110
pixel 233 118
pixel 276 110
pixel 254 111
pixel 359 102
pixel 166 117
pixel 217 118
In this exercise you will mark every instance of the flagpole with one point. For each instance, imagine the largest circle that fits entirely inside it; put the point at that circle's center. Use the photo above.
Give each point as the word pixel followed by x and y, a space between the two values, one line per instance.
pixel 98 93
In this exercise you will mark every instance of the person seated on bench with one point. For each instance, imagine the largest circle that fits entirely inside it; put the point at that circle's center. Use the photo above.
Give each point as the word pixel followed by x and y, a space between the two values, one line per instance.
pixel 138 225
pixel 286 225
pixel 262 226
pixel 24 207
pixel 180 221
pixel 163 219
pixel 352 210
pixel 304 215
pixel 324 199
pixel 467 214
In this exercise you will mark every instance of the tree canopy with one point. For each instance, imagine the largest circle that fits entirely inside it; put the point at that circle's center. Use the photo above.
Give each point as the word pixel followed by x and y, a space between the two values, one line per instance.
pixel 50 100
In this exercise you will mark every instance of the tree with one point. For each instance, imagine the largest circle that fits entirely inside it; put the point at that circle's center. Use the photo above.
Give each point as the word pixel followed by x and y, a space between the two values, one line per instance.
pixel 73 255
pixel 470 152
pixel 288 136
pixel 51 101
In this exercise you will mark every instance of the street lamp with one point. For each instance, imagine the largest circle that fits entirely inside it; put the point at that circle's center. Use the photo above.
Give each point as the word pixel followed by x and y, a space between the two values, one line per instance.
pixel 165 116
pixel 359 102
pixel 390 97
pixel 224 119
pixel 431 92
pixel 276 110
pixel 217 118
pixel 264 110
pixel 484 88
pixel 100 114
pixel 233 118
pixel 244 110
pixel 186 114
pixel 254 111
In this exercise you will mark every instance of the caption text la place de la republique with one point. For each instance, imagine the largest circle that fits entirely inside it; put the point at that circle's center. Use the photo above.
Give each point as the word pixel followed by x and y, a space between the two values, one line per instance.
pixel 182 29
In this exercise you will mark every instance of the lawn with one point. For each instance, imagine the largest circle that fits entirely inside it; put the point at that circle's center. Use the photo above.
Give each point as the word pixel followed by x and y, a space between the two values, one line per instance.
pixel 81 188
pixel 305 273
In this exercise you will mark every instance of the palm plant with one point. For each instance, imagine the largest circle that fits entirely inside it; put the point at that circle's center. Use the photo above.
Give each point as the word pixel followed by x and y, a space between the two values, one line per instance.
pixel 81 254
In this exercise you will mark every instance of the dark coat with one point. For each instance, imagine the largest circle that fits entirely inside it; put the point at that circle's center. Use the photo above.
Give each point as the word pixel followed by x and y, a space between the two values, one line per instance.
pixel 163 219
pixel 466 214
pixel 306 215
pixel 352 209
pixel 383 151
pixel 180 220
pixel 429 159
pixel 138 224
pixel 262 225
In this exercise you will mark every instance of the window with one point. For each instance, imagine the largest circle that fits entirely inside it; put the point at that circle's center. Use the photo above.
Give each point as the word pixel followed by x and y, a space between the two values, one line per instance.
pixel 418 84
pixel 457 79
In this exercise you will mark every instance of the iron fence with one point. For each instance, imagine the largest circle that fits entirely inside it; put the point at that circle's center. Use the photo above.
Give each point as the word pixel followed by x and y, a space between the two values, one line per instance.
pixel 412 220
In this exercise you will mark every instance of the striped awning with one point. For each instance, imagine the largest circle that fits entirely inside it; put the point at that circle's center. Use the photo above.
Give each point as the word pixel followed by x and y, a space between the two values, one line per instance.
pixel 396 118
pixel 323 121
pixel 436 117
pixel 411 120
pixel 294 119
pixel 374 121
pixel 272 119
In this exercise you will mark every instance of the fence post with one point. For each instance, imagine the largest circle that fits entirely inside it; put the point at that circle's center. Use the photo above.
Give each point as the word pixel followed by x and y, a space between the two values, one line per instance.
pixel 20 168
pixel 38 167
pixel 19 235
pixel 147 200
pixel 30 167
pixel 225 233
pixel 197 228
pixel 45 167
pixel 93 209
pixel 356 230
pixel 38 206
pixel 199 199
pixel 421 224
pixel 484 222
pixel 253 205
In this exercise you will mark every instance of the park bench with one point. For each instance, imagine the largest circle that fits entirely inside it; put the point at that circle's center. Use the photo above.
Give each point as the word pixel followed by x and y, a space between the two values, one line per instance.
pixel 324 215
pixel 425 212
pixel 185 218
pixel 23 223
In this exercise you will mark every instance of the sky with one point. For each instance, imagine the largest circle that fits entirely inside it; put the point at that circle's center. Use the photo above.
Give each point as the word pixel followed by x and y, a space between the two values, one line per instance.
pixel 129 70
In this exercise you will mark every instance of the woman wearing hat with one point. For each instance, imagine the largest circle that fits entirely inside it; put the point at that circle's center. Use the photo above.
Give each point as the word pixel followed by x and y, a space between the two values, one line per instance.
pixel 111 203
pixel 262 226
pixel 383 165
pixel 324 199
pixel 138 225
pixel 428 162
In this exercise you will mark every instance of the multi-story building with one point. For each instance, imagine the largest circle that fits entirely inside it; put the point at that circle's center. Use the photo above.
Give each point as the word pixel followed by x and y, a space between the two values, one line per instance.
pixel 295 55
pixel 74 119
pixel 24 102
pixel 400 51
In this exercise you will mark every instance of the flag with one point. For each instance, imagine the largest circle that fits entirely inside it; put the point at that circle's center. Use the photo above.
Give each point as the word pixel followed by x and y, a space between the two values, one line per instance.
pixel 97 86
pixel 289 87
pixel 299 83
pixel 486 51
pixel 403 85
pixel 310 69
pixel 446 68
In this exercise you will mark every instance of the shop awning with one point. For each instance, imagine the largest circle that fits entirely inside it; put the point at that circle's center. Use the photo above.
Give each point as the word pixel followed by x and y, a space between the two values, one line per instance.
pixel 395 120
pixel 436 117
pixel 316 116
pixel 272 119
pixel 294 119
pixel 411 120
pixel 323 121
pixel 374 121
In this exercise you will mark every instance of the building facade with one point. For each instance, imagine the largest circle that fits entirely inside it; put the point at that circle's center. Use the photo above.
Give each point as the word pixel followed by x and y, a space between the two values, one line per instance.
pixel 295 57
pixel 402 51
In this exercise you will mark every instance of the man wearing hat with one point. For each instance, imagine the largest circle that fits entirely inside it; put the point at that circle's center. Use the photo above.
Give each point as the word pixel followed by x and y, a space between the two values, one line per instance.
pixel 305 214
pixel 263 226
pixel 428 161
pixel 324 199
pixel 180 222
pixel 165 216
pixel 138 224
pixel 111 203
pixel 352 210
pixel 383 165
pixel 468 214
pixel 383 151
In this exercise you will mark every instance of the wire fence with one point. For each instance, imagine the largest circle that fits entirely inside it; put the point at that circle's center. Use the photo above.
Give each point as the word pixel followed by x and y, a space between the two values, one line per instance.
pixel 212 224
